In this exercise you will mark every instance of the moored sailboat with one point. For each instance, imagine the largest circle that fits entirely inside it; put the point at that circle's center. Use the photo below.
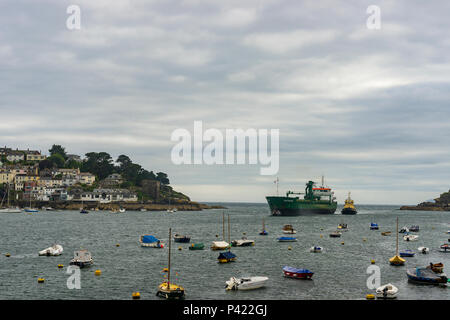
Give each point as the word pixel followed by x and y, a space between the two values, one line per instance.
pixel 221 245
pixel 396 260
pixel 227 256
pixel 263 231
pixel 167 289
pixel 8 208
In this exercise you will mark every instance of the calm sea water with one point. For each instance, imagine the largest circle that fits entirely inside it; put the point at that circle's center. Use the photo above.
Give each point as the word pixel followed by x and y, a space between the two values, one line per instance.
pixel 340 271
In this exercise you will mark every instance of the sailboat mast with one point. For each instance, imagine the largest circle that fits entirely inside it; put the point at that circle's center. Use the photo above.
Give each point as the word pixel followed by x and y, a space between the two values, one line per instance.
pixel 223 226
pixel 263 225
pixel 170 246
pixel 396 247
pixel 229 232
pixel 7 190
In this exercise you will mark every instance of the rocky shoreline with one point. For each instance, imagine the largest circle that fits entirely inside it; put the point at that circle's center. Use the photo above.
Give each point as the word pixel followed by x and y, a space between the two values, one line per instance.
pixel 132 206
pixel 440 204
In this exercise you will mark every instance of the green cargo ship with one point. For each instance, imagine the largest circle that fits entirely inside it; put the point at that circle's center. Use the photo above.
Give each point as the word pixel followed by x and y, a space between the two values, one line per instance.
pixel 316 200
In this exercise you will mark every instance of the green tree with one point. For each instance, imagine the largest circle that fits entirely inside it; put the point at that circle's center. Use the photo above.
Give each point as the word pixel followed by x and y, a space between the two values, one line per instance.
pixel 72 164
pixel 162 177
pixel 57 149
pixel 100 164
pixel 57 160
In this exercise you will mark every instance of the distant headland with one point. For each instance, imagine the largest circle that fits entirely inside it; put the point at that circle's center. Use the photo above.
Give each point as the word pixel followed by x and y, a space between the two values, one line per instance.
pixel 60 180
pixel 440 204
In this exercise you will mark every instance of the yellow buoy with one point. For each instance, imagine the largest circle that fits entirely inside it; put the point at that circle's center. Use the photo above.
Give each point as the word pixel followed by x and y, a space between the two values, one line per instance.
pixel 117 245
pixel 289 248
pixel 165 269
pixel 41 280
pixel 7 255
pixel 321 235
pixel 179 248
pixel 342 242
pixel 98 272
pixel 60 266
pixel 370 296
pixel 136 295
pixel 372 261
pixel 364 239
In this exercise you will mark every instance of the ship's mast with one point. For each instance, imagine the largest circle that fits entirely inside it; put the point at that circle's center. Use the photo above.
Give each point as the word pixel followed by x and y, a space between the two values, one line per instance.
pixel 396 247
pixel 168 271
pixel 223 226
pixel 276 182
pixel 229 234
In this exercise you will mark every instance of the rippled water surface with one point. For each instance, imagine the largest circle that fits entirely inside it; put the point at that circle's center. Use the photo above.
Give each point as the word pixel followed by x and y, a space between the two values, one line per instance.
pixel 339 272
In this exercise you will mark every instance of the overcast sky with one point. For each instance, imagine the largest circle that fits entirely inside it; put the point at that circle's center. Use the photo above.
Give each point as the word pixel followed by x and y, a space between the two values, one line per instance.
pixel 369 109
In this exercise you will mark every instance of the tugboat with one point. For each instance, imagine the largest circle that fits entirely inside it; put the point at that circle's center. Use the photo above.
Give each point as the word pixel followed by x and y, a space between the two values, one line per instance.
pixel 316 200
pixel 289 229
pixel 349 207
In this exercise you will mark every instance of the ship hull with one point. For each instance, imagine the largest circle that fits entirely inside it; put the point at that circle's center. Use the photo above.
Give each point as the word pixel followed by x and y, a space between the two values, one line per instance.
pixel 348 211
pixel 286 206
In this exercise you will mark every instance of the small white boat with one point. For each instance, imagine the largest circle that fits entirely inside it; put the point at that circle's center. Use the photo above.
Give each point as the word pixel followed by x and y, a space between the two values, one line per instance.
pixel 143 210
pixel 246 283
pixel 289 229
pixel 81 258
pixel 387 291
pixel 444 248
pixel 404 230
pixel 54 250
pixel 244 242
pixel 11 210
pixel 220 245
pixel 316 249
pixel 411 237
pixel 423 250
pixel 122 210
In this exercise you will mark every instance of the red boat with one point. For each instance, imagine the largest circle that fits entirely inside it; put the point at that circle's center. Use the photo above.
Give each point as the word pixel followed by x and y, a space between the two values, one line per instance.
pixel 296 273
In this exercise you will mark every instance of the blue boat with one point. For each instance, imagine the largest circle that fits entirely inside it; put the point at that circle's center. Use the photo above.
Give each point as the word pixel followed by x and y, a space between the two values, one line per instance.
pixel 226 256
pixel 373 226
pixel 407 253
pixel 297 273
pixel 263 232
pixel 287 239
pixel 31 210
pixel 150 241
pixel 426 275
pixel 180 238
